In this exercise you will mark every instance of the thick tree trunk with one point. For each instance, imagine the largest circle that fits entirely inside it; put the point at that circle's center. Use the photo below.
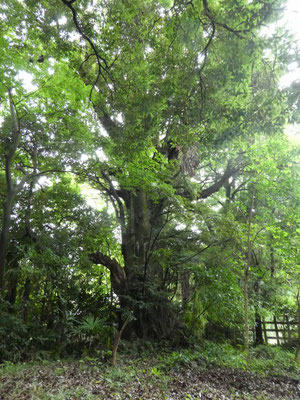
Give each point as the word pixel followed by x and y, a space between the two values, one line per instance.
pixel 258 334
pixel 185 287
pixel 139 285
pixel 137 236
pixel 148 299
pixel 134 250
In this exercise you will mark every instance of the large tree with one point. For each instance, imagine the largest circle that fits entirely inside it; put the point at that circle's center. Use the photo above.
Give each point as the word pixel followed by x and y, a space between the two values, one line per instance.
pixel 170 84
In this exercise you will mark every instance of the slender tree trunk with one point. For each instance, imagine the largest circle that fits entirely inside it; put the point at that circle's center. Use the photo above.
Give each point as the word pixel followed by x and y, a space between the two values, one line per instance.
pixel 258 330
pixel 4 236
pixel 10 147
pixel 50 313
pixel 12 282
pixel 61 325
pixel 246 277
pixel 272 258
pixel 246 311
pixel 117 341
pixel 26 299
pixel 43 307
pixel 297 355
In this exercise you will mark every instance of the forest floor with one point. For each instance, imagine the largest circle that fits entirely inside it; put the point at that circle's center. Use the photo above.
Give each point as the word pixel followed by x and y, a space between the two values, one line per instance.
pixel 181 375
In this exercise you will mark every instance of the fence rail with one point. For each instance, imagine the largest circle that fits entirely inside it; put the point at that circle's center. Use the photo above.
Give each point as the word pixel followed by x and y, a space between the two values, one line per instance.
pixel 284 332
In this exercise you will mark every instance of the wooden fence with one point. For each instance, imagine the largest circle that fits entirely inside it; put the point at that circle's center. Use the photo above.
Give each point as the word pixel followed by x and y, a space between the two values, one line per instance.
pixel 279 331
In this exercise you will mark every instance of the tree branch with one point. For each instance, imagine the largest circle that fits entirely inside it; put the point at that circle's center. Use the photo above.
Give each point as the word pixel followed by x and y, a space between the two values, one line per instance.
pixel 219 183
pixel 208 13
pixel 100 59
pixel 198 252
pixel 119 202
pixel 117 273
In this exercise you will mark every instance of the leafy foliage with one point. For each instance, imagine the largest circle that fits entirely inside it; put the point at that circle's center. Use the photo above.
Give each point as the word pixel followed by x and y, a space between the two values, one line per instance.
pixel 169 114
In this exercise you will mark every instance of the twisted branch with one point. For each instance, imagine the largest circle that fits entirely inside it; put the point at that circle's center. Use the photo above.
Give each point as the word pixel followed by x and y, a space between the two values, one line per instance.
pixel 100 59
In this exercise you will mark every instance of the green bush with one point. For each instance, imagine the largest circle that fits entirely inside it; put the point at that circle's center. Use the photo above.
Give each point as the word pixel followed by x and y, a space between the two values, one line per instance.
pixel 90 333
pixel 13 333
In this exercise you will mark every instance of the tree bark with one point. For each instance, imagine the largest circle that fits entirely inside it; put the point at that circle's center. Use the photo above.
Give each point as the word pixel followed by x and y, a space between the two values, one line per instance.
pixel 117 273
pixel 4 236
pixel 258 338
pixel 246 311
pixel 258 330
pixel 139 285
pixel 117 341
pixel 297 355
pixel 10 147
pixel 185 287
pixel 246 276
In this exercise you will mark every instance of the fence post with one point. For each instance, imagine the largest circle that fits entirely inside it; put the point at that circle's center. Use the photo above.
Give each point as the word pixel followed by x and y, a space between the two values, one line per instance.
pixel 264 330
pixel 276 331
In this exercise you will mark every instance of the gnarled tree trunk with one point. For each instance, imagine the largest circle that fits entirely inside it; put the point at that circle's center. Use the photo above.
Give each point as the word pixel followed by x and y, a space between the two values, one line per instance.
pixel 139 284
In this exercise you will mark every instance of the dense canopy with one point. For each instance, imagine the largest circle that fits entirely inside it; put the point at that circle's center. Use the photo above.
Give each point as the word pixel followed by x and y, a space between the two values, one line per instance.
pixel 147 183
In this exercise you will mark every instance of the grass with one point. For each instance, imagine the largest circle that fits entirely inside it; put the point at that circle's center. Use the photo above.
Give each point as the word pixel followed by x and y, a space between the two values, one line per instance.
pixel 264 360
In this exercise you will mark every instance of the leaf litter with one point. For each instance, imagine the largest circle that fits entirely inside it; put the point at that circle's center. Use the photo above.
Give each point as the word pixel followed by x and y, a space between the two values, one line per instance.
pixel 140 380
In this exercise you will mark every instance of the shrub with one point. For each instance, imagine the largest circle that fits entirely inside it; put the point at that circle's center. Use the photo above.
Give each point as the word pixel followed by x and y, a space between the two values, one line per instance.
pixel 13 333
pixel 91 332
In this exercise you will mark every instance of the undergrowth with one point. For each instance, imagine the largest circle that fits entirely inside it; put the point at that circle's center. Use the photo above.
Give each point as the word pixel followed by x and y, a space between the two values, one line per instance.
pixel 265 360
pixel 149 366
